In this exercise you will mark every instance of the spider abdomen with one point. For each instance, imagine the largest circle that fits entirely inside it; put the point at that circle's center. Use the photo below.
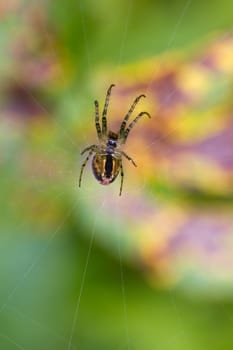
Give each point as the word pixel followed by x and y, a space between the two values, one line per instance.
pixel 105 168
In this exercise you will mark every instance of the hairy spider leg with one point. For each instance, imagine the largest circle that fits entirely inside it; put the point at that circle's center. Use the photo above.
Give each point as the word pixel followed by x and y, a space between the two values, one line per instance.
pixel 88 148
pixel 123 124
pixel 91 150
pixel 122 178
pixel 97 124
pixel 129 158
pixel 104 119
pixel 131 125
pixel 83 166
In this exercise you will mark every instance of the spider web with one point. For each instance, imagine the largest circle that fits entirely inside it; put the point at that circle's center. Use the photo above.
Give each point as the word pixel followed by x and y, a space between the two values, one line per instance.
pixel 32 266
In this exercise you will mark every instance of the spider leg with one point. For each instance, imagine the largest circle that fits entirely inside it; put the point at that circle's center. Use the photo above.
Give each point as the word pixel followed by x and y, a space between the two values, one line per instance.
pixel 97 124
pixel 122 178
pixel 129 158
pixel 131 125
pixel 123 124
pixel 104 119
pixel 84 164
pixel 93 147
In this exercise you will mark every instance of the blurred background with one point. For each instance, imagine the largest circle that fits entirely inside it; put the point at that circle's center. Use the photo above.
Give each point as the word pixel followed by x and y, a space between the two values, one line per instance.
pixel 82 268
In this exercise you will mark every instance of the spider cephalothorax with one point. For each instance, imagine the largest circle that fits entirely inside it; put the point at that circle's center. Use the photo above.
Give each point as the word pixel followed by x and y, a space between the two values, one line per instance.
pixel 107 160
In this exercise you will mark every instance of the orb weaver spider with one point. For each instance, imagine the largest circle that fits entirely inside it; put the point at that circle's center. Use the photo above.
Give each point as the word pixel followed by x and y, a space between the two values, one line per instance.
pixel 107 160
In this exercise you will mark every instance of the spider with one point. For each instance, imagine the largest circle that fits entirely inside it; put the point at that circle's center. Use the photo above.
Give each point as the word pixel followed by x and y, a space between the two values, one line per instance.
pixel 107 160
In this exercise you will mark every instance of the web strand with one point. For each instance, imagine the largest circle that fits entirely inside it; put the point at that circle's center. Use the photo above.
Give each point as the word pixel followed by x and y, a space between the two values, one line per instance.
pixel 74 322
pixel 125 32
pixel 11 341
pixel 36 260
pixel 126 323
pixel 172 39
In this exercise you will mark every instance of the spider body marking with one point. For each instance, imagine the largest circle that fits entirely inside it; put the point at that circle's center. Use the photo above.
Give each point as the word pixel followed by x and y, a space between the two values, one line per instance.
pixel 107 159
pixel 106 164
